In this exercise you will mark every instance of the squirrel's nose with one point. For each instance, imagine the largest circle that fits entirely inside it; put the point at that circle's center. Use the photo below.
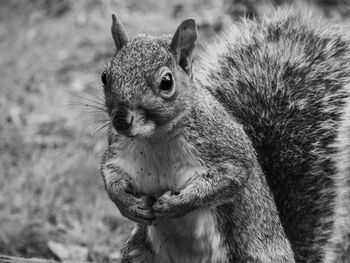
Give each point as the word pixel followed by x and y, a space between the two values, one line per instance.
pixel 122 120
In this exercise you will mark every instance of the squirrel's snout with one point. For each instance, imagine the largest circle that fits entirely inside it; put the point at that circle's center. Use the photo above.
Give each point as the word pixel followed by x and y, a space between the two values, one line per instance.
pixel 131 122
pixel 122 121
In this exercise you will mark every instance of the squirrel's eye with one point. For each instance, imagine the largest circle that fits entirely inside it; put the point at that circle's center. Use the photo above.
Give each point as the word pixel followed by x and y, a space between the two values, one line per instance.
pixel 167 85
pixel 167 82
pixel 104 77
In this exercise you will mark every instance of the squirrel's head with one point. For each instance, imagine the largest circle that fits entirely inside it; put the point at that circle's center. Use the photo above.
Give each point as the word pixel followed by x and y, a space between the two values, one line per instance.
pixel 148 83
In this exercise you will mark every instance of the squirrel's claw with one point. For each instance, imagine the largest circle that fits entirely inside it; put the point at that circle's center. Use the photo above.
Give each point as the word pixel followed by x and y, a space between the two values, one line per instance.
pixel 171 204
pixel 139 215
pixel 140 211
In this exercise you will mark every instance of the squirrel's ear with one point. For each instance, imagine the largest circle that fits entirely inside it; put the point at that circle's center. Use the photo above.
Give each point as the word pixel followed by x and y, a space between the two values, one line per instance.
pixel 183 43
pixel 119 34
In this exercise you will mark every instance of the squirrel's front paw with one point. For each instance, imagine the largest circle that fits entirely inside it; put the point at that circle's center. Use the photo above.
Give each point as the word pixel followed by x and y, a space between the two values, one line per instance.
pixel 138 210
pixel 132 205
pixel 172 204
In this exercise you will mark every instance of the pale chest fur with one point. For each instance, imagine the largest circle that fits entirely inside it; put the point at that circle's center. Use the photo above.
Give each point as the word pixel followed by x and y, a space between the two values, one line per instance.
pixel 156 167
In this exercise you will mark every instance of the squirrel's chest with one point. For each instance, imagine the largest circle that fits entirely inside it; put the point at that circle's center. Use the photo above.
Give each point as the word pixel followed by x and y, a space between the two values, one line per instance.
pixel 159 166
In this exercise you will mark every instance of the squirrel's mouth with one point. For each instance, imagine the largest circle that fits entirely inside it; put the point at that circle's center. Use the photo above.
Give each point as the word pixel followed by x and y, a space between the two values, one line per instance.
pixel 126 133
pixel 132 123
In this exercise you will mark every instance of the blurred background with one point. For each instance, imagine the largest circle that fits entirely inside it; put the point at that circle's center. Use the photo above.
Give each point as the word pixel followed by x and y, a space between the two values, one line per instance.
pixel 52 200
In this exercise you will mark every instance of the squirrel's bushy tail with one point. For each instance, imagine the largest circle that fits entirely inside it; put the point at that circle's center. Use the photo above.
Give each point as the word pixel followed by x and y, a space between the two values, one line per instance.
pixel 338 249
pixel 286 79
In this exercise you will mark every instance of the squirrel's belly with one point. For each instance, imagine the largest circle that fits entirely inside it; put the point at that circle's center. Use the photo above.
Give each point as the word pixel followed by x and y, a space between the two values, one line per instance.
pixel 192 238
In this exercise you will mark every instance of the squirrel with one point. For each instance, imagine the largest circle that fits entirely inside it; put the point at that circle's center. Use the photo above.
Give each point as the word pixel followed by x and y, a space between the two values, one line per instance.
pixel 239 155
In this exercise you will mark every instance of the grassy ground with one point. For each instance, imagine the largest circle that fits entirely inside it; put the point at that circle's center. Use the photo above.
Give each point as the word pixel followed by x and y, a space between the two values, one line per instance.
pixel 52 201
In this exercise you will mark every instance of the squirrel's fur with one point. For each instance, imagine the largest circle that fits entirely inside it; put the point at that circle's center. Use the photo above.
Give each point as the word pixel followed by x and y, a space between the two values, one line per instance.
pixel 254 146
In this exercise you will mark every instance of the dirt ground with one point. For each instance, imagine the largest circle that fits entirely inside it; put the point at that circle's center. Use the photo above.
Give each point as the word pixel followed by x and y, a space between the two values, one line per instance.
pixel 52 201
